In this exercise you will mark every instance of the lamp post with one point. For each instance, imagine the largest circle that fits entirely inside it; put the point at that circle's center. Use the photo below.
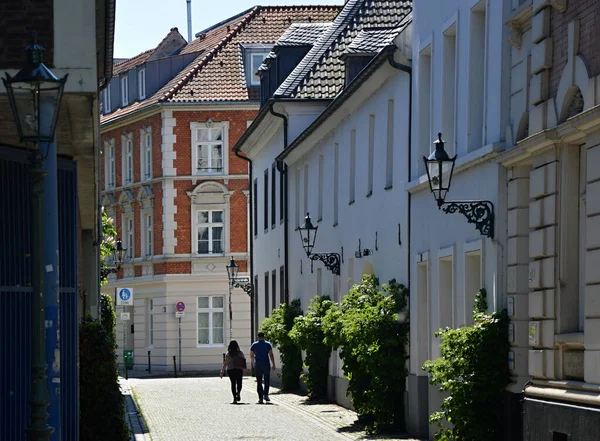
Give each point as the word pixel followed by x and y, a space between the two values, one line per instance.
pixel 308 234
pixel 118 254
pixel 440 167
pixel 34 94
pixel 237 282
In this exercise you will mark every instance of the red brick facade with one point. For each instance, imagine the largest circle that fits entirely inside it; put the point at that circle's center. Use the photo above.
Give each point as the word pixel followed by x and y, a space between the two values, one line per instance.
pixel 17 20
pixel 238 202
pixel 588 14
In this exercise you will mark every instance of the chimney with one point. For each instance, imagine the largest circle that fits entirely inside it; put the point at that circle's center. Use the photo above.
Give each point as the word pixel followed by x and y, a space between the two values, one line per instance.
pixel 189 20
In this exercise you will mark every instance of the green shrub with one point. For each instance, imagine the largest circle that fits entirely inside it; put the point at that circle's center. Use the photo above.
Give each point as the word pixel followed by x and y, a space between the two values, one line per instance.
pixel 308 334
pixel 371 329
pixel 472 373
pixel 102 407
pixel 276 329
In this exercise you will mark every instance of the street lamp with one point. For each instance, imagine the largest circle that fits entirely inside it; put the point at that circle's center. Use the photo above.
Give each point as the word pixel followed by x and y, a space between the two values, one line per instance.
pixel 308 234
pixel 118 254
pixel 235 281
pixel 440 167
pixel 34 94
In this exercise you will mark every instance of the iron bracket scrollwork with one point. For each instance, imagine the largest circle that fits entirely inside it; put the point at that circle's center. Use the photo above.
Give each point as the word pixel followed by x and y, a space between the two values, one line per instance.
pixel 104 272
pixel 480 213
pixel 330 260
pixel 243 283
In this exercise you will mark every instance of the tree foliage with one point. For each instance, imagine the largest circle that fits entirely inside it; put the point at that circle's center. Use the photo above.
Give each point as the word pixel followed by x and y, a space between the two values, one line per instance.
pixel 472 373
pixel 102 407
pixel 371 329
pixel 108 243
pixel 277 328
pixel 308 334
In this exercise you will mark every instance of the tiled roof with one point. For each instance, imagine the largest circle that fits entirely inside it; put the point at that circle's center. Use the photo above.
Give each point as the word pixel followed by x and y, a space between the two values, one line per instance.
pixel 321 73
pixel 300 34
pixel 217 73
pixel 132 62
pixel 370 41
pixel 219 76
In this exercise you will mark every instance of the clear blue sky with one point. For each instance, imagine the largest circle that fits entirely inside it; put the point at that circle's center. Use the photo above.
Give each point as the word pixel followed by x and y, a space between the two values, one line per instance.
pixel 142 24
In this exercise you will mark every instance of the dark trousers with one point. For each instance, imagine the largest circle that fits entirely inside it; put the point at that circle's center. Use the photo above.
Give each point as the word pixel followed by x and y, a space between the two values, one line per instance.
pixel 235 377
pixel 263 372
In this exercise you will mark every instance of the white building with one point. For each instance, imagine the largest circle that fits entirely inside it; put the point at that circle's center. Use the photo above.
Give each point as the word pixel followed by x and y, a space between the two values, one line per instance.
pixel 337 126
pixel 460 81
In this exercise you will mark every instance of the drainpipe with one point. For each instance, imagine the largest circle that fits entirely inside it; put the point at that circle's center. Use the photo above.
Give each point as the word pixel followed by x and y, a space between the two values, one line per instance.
pixel 282 168
pixel 408 70
pixel 252 324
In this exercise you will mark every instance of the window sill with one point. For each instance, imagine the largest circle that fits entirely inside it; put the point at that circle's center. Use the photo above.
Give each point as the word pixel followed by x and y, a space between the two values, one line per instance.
pixel 369 194
pixel 335 224
pixel 389 187
pixel 209 255
pixel 351 202
pixel 273 226
pixel 210 346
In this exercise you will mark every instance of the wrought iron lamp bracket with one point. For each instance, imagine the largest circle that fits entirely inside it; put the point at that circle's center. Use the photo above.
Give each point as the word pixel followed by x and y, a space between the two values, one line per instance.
pixel 480 213
pixel 243 283
pixel 330 260
pixel 104 272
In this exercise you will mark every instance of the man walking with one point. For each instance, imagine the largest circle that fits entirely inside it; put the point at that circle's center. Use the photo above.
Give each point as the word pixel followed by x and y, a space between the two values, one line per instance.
pixel 260 353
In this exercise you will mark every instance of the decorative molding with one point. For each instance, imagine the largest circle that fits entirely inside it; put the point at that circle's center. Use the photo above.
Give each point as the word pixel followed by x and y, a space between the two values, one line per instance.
pixel 559 5
pixel 519 23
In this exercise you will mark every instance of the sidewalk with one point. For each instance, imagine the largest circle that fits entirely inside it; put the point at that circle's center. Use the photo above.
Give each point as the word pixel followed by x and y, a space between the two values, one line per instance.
pixel 134 420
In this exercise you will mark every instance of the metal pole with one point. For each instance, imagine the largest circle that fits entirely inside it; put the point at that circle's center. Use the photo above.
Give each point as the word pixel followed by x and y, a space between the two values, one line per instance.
pixel 175 366
pixel 38 429
pixel 230 315
pixel 149 363
pixel 179 344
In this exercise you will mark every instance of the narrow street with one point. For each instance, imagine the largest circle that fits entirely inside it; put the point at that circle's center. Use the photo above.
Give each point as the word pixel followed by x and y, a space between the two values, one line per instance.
pixel 200 409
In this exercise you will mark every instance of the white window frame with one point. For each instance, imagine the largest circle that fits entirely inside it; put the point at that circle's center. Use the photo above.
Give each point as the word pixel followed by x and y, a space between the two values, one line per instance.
pixel 210 310
pixel 147 234
pixel 210 225
pixel 110 174
pixel 106 99
pixel 124 91
pixel 255 79
pixel 146 154
pixel 150 330
pixel 128 236
pixel 127 159
pixel 142 83
pixel 194 127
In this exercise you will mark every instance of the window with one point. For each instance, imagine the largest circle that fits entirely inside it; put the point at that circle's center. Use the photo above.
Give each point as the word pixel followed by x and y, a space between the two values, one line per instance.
pixel 147 225
pixel 297 201
pixel 211 320
pixel 209 226
pixel 146 157
pixel 305 188
pixel 423 304
pixel 274 288
pixel 281 285
pixel 449 88
pixel 266 201
pixel 320 201
pixel 255 205
pixel 472 285
pixel 150 322
pixel 209 145
pixel 371 156
pixel 476 77
pixel 389 154
pixel 124 91
pixel 106 99
pixel 256 60
pixel 273 196
pixel 127 159
pixel 319 281
pixel 352 174
pixel 255 299
pixel 281 196
pixel 336 161
pixel 446 292
pixel 110 165
pixel 267 310
pixel 128 235
pixel 142 83
pixel 424 105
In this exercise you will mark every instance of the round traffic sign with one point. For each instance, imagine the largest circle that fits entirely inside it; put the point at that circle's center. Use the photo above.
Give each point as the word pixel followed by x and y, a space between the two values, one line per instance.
pixel 125 294
pixel 180 306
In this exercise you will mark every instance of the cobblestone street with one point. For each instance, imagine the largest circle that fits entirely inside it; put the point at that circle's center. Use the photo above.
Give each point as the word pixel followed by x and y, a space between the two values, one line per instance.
pixel 200 409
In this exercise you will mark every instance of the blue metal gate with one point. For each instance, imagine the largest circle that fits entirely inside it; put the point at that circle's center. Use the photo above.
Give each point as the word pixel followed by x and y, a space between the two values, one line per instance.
pixel 15 296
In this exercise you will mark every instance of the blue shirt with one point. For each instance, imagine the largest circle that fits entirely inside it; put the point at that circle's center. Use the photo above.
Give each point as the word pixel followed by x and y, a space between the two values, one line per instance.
pixel 261 350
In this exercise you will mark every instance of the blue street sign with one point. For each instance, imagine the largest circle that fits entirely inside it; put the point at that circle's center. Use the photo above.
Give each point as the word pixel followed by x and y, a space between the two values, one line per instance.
pixel 124 296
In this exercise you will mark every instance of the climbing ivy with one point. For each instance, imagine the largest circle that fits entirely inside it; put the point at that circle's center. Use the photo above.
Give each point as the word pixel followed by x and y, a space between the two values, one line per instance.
pixel 308 334
pixel 371 329
pixel 277 328
pixel 471 373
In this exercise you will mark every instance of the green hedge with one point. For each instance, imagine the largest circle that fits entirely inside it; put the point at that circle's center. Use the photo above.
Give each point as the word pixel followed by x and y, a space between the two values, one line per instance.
pixel 102 407
pixel 472 373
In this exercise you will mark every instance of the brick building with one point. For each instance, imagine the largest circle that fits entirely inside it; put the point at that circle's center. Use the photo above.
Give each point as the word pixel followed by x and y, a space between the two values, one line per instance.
pixel 178 195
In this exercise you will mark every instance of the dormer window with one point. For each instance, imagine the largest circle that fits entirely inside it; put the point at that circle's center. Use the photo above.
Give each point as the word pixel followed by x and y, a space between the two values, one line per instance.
pixel 142 83
pixel 256 60
pixel 253 55
pixel 106 99
pixel 124 91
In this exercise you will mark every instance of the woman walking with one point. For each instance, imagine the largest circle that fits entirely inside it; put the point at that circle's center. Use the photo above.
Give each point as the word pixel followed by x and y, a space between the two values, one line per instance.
pixel 235 362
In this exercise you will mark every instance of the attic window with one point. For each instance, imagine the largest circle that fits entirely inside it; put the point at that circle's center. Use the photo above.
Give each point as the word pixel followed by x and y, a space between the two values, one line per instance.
pixel 256 60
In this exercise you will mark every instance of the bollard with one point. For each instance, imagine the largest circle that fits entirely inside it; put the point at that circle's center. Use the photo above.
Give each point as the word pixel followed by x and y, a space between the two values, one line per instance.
pixel 149 364
pixel 126 372
pixel 175 366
